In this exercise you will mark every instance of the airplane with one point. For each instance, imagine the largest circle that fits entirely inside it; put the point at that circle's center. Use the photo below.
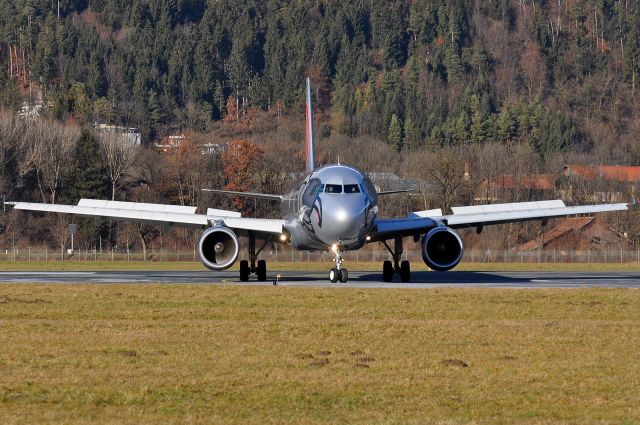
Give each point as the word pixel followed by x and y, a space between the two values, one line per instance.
pixel 334 208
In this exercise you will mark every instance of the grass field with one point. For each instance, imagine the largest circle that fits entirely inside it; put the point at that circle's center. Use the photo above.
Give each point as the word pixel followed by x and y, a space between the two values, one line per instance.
pixel 306 266
pixel 226 354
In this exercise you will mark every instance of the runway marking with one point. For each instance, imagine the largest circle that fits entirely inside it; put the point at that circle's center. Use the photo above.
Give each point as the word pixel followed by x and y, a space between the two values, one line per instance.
pixel 47 273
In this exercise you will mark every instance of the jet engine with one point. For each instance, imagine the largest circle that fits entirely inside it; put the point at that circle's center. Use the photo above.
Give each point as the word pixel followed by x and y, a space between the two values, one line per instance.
pixel 218 247
pixel 442 248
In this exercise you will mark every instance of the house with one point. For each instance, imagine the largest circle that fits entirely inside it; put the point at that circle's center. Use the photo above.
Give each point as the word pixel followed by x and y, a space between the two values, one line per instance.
pixel 131 134
pixel 496 189
pixel 576 233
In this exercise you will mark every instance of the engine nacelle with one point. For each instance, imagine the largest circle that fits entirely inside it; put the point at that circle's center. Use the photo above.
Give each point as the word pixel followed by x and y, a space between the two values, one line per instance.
pixel 218 248
pixel 442 249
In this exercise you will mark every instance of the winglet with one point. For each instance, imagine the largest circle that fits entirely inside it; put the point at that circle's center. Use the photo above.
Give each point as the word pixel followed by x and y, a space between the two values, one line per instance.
pixel 311 164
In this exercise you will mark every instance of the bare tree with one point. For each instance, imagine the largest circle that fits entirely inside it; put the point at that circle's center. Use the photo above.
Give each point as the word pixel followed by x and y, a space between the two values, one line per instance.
pixel 119 154
pixel 49 148
pixel 11 139
pixel 58 225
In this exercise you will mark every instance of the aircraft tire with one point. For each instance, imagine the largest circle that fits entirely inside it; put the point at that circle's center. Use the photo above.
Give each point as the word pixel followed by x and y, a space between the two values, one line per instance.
pixel 405 271
pixel 244 270
pixel 344 275
pixel 334 275
pixel 387 271
pixel 261 270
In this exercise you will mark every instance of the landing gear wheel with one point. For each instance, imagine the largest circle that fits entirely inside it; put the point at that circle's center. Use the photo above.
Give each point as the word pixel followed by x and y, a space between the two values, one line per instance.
pixel 244 270
pixel 387 271
pixel 344 275
pixel 334 274
pixel 261 270
pixel 405 271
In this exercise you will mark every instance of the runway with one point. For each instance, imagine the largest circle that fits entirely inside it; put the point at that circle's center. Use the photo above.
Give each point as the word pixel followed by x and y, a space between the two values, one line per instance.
pixel 356 279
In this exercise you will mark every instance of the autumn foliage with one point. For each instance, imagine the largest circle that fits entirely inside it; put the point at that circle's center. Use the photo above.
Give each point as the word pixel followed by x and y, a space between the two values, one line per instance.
pixel 240 164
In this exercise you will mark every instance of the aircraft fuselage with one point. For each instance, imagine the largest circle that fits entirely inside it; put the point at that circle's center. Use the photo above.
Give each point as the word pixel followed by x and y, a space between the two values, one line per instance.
pixel 334 204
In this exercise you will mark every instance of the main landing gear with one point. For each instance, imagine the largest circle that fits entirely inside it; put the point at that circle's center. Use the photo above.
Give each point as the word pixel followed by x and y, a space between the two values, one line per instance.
pixel 258 267
pixel 401 267
pixel 337 273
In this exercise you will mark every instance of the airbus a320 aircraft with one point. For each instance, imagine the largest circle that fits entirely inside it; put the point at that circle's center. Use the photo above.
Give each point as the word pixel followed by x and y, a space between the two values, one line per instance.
pixel 333 208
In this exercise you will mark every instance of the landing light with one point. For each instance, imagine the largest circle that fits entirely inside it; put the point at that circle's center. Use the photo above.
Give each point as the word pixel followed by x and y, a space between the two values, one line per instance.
pixel 367 238
pixel 334 247
pixel 283 237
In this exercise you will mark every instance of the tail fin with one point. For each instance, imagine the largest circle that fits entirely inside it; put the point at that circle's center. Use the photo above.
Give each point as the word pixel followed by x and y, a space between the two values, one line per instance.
pixel 311 163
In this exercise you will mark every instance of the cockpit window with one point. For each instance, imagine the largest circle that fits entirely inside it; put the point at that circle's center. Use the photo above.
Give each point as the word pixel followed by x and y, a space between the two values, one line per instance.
pixel 333 188
pixel 351 188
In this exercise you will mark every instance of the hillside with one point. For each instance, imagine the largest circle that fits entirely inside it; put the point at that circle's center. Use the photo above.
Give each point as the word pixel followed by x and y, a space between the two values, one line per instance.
pixel 559 75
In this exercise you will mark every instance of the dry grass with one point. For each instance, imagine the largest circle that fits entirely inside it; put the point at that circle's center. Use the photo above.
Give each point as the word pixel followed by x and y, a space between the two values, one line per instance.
pixel 225 354
pixel 305 266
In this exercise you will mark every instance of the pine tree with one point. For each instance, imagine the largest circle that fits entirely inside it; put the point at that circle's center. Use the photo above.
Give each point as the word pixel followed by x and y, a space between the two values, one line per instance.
pixel 454 66
pixel 87 177
pixel 412 135
pixel 394 134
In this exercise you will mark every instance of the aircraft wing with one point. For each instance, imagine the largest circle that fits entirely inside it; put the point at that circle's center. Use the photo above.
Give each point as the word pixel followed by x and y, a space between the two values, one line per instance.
pixel 158 214
pixel 480 215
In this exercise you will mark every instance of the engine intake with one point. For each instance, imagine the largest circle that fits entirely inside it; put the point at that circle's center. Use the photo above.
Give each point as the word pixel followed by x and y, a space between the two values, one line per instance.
pixel 218 248
pixel 442 249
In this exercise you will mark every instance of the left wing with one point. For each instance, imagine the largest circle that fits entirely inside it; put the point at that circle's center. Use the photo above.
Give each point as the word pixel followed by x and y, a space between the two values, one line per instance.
pixel 480 215
pixel 158 214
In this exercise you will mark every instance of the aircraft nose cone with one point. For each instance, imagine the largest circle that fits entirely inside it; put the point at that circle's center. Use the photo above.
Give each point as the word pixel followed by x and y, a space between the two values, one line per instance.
pixel 342 221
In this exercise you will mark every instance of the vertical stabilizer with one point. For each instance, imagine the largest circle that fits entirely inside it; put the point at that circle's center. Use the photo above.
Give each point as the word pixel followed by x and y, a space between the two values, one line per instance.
pixel 311 163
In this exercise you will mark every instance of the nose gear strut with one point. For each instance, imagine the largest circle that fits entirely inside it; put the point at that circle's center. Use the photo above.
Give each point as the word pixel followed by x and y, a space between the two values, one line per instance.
pixel 337 273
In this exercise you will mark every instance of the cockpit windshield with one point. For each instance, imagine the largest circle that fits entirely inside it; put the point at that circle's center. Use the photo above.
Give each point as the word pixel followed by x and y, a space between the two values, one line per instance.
pixel 333 188
pixel 351 188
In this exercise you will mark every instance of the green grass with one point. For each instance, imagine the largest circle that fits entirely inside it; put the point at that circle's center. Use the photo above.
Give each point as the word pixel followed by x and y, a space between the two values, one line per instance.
pixel 225 354
pixel 305 266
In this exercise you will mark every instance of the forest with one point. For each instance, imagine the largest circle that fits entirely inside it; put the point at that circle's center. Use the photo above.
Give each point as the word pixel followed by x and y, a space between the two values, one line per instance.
pixel 506 86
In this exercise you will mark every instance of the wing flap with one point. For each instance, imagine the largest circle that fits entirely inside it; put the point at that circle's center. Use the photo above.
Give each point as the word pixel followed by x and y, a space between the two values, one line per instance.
pixel 136 206
pixel 515 206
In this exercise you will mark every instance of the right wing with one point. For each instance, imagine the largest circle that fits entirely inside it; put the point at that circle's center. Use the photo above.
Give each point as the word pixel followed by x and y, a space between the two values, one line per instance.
pixel 159 214
pixel 478 216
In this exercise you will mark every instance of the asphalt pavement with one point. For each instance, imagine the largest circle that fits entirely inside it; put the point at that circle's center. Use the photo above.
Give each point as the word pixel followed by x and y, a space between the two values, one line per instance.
pixel 356 279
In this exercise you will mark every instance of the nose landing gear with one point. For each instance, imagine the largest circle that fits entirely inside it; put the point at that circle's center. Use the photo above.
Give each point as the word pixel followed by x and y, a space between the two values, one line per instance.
pixel 337 273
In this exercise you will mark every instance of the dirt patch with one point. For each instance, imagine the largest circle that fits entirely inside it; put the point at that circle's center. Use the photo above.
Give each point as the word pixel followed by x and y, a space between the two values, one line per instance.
pixel 454 362
pixel 358 353
pixel 129 353
pixel 319 363
pixel 305 356
pixel 508 358
pixel 7 299
pixel 366 359
pixel 362 365
pixel 324 353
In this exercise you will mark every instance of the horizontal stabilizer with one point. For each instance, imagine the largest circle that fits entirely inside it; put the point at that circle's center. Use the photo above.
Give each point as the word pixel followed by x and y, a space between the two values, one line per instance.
pixel 246 194
pixel 391 192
